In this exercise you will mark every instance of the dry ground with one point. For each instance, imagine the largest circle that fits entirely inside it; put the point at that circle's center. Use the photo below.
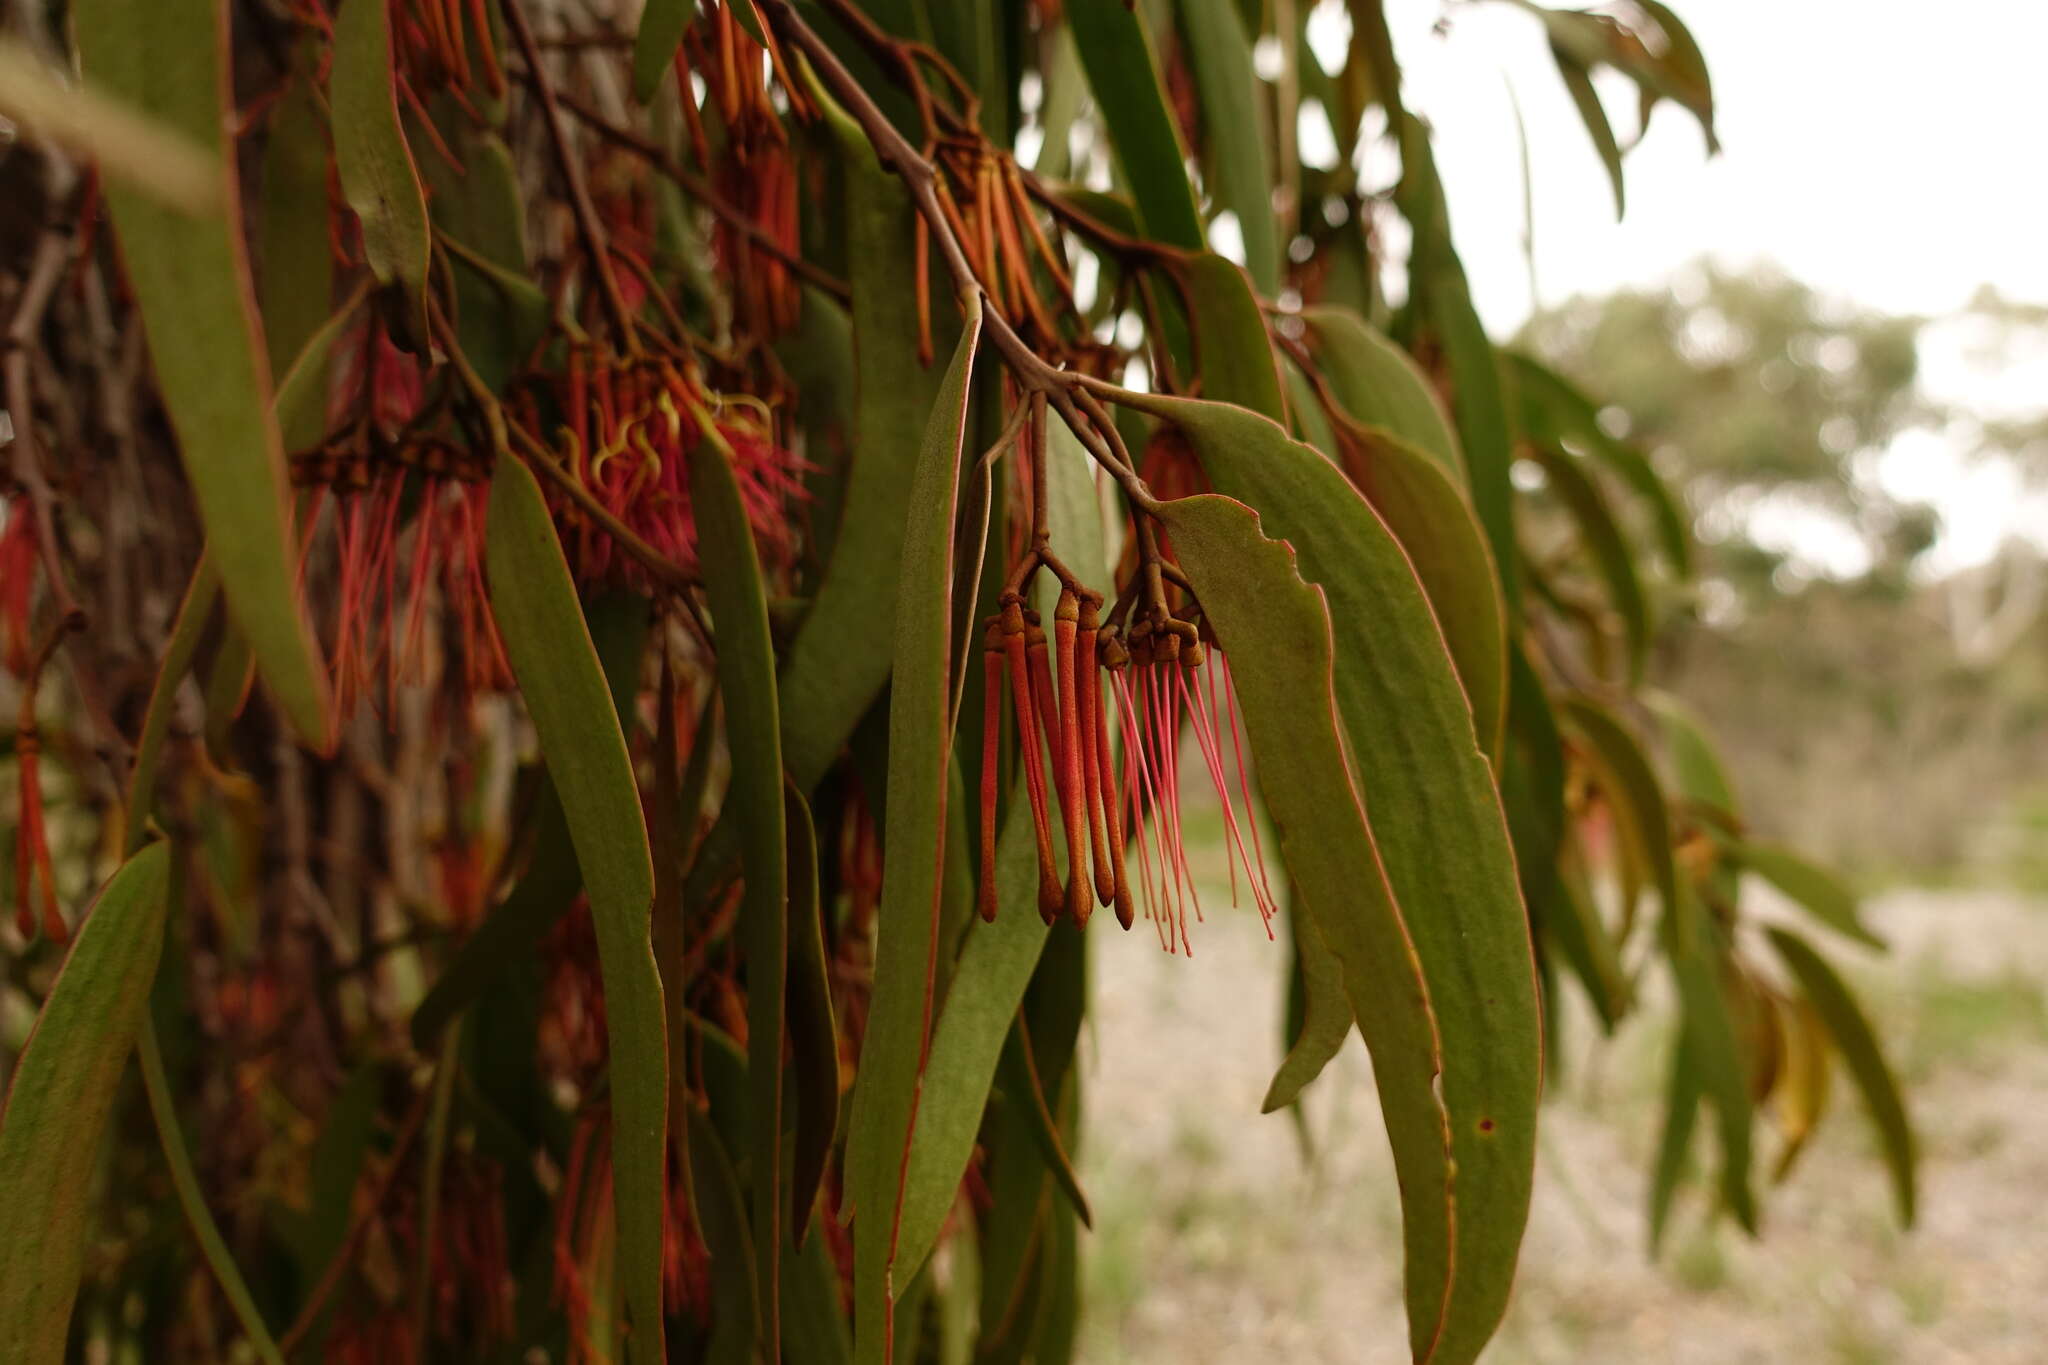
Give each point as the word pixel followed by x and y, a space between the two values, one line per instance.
pixel 1214 1242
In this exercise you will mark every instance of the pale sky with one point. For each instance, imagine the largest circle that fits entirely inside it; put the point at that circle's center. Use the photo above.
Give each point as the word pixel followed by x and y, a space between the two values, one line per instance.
pixel 1888 153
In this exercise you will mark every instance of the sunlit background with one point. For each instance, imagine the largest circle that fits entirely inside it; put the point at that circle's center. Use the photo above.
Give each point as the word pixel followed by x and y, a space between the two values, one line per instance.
pixel 1836 332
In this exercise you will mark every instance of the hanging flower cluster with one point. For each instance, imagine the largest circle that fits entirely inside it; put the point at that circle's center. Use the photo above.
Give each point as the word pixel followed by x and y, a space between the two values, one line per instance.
pixel 628 429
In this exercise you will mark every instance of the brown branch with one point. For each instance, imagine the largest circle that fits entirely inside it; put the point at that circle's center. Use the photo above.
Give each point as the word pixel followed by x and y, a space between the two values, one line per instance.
pixel 587 224
pixel 700 189
pixel 32 303
pixel 1033 373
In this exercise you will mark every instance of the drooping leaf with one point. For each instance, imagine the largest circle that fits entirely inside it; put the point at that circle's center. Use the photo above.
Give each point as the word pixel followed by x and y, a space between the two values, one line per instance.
pixel 721 1215
pixel 1276 631
pixel 1234 128
pixel 1325 1017
pixel 297 256
pixel 1024 1088
pixel 1695 766
pixel 997 960
pixel 1380 386
pixel 662 26
pixel 185 1180
pixel 813 1323
pixel 813 1028
pixel 193 611
pixel 1638 799
pixel 1116 52
pixel 371 155
pixel 57 1104
pixel 1237 361
pixel 885 1095
pixel 192 281
pixel 1576 926
pixel 1715 1049
pixel 1857 1042
pixel 1811 886
pixel 746 680
pixel 500 313
pixel 1578 83
pixel 1551 411
pixel 1605 544
pixel 556 665
pixel 1441 300
pixel 1801 1097
pixel 1681 1114
pixel 1429 515
pixel 125 144
pixel 840 658
pixel 1432 807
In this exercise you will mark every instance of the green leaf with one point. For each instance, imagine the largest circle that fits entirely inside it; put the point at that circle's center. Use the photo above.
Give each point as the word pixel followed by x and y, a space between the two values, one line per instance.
pixel 1603 541
pixel 813 1323
pixel 1237 362
pixel 192 281
pixel 1430 800
pixel 1552 412
pixel 998 960
pixel 1442 300
pixel 1715 1049
pixel 1808 884
pixel 1022 1086
pixel 378 177
pixel 550 650
pixel 185 1180
pixel 813 1027
pixel 1429 515
pixel 885 1096
pixel 1681 1114
pixel 1380 386
pixel 721 1216
pixel 58 1101
pixel 840 659
pixel 1578 929
pixel 1325 1021
pixel 1116 52
pixel 297 254
pixel 500 313
pixel 746 680
pixel 1234 130
pixel 193 613
pixel 1638 798
pixel 1276 632
pixel 514 928
pixel 1857 1043
pixel 662 26
pixel 124 144
pixel 1683 70
pixel 1578 83
pixel 1694 764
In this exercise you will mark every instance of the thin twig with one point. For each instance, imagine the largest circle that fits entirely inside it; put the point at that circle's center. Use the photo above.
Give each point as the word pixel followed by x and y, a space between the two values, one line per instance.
pixel 344 1255
pixel 698 188
pixel 572 173
pixel 1033 372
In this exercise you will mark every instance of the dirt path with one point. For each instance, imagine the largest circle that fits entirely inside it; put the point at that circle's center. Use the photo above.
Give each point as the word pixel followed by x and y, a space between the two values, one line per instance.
pixel 1215 1243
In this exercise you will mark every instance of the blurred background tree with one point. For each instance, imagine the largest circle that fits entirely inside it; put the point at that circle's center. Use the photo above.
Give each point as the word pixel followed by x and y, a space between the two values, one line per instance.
pixel 1843 665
